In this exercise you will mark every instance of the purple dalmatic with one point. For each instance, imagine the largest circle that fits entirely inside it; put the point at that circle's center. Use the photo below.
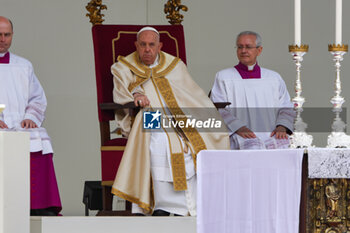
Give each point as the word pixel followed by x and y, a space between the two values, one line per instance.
pixel 248 74
pixel 5 59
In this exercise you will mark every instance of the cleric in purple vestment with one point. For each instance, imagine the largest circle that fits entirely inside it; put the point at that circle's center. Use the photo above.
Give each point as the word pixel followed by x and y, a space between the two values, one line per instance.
pixel 260 114
pixel 25 102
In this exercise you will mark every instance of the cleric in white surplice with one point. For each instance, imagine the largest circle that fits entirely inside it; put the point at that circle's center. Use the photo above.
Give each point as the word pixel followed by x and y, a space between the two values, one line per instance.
pixel 260 114
pixel 25 103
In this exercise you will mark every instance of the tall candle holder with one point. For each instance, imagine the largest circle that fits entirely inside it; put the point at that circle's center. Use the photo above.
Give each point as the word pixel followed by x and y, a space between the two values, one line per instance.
pixel 299 138
pixel 338 138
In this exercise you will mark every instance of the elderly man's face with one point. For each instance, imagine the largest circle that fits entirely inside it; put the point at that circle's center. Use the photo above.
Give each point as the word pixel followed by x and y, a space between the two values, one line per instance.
pixel 247 52
pixel 148 46
pixel 5 35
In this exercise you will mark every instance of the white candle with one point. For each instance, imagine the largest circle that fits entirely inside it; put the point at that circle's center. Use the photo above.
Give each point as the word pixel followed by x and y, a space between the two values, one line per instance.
pixel 297 22
pixel 338 22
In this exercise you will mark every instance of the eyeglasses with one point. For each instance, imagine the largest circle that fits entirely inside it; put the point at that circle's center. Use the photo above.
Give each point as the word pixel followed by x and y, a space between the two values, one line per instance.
pixel 248 47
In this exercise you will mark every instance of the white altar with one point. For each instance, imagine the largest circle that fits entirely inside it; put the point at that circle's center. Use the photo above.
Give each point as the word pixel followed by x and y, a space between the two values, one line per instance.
pixel 14 182
pixel 249 191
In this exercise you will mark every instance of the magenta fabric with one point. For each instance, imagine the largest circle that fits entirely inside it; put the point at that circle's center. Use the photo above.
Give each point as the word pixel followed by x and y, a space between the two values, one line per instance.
pixel 248 74
pixel 110 161
pixel 5 59
pixel 116 142
pixel 43 185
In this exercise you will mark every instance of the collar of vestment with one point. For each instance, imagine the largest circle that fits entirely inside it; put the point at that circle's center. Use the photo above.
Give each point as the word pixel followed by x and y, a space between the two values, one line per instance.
pixel 5 59
pixel 245 73
pixel 166 64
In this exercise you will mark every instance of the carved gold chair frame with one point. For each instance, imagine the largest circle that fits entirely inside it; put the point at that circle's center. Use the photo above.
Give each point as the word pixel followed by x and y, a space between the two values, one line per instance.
pixel 171 9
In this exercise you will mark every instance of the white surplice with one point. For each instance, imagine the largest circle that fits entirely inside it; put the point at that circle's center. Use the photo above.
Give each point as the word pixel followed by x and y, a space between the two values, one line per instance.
pixel 24 97
pixel 259 104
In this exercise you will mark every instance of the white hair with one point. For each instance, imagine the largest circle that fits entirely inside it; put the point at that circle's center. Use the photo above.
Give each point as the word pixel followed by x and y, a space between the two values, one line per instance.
pixel 258 40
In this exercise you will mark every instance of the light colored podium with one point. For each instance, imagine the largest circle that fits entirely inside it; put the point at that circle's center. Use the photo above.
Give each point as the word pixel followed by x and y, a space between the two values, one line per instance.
pixel 14 182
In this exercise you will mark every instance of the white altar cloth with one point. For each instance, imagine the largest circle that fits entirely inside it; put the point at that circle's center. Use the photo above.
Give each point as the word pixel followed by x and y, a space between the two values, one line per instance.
pixel 249 191
pixel 329 163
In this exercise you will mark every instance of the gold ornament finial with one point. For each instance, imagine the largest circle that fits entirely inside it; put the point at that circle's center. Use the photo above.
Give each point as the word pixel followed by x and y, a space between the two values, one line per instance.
pixel 94 8
pixel 338 47
pixel 301 48
pixel 172 8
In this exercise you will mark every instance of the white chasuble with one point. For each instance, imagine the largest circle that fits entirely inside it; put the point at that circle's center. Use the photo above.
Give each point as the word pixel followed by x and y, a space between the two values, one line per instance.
pixel 171 83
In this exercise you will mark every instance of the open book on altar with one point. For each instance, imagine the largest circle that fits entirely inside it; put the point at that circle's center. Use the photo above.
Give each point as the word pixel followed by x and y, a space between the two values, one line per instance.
pixel 262 141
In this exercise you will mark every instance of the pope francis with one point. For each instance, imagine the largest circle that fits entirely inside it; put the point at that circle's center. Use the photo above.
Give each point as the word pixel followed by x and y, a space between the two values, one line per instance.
pixel 158 170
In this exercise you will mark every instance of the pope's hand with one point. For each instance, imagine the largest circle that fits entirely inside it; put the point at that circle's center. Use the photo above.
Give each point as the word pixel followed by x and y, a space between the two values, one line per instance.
pixel 141 100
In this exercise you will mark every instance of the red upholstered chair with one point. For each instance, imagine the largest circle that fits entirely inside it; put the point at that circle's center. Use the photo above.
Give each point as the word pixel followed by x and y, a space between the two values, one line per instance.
pixel 110 41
